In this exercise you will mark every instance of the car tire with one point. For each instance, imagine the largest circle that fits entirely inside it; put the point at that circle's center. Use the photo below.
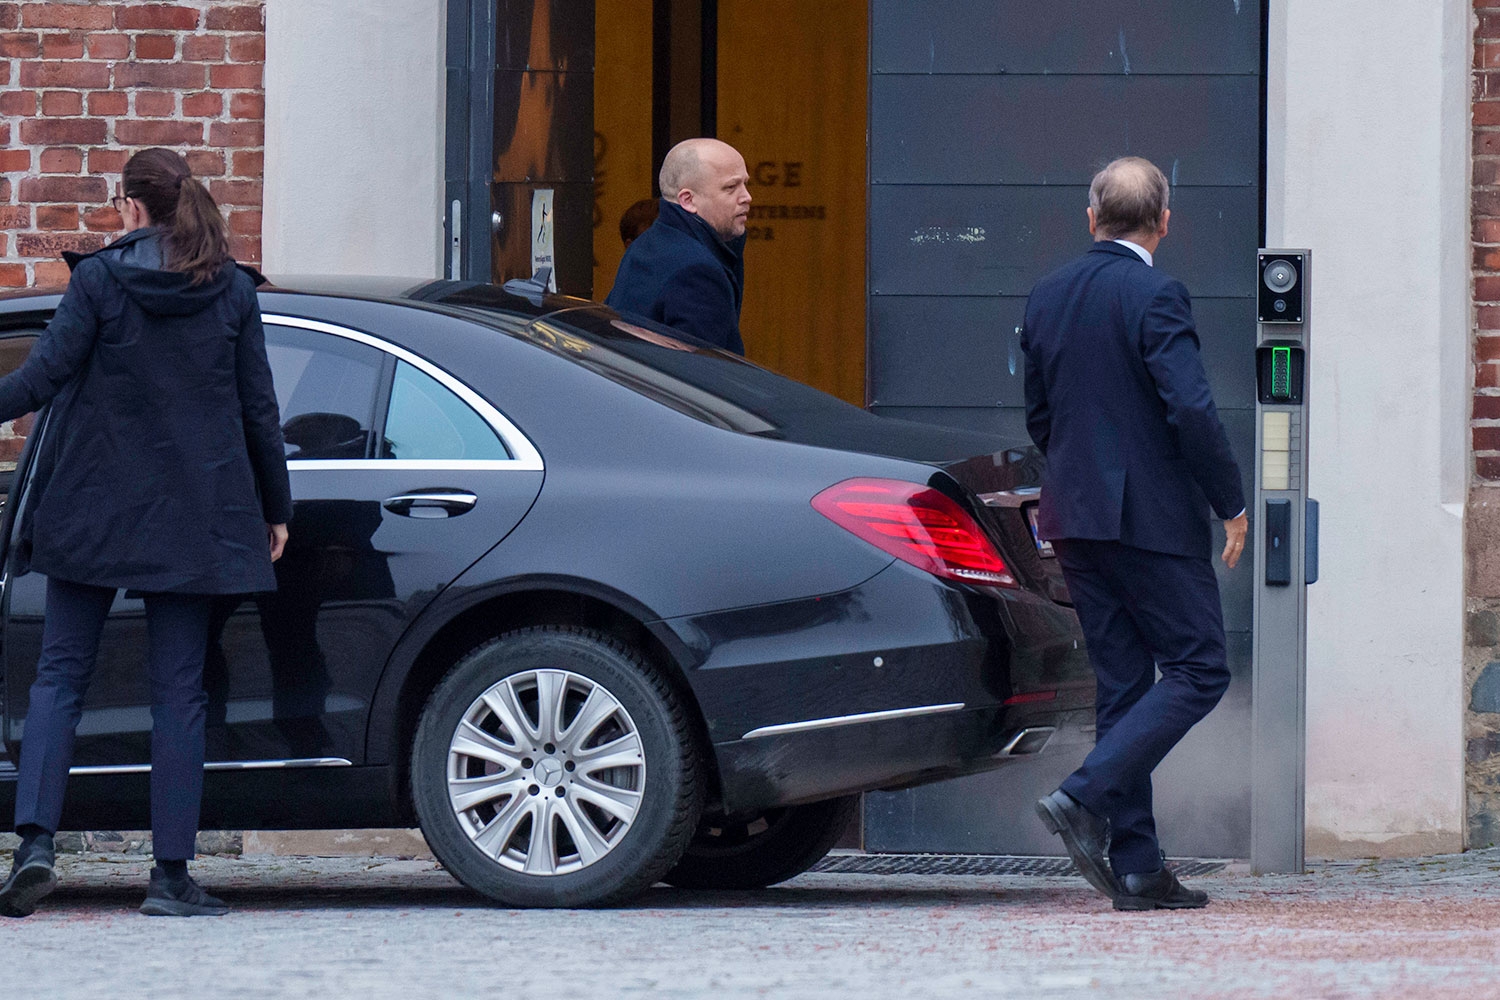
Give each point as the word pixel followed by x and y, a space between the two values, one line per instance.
pixel 615 787
pixel 769 848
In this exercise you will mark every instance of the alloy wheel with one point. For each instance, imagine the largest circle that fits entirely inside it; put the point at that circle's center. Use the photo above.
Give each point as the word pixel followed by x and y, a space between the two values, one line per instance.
pixel 546 772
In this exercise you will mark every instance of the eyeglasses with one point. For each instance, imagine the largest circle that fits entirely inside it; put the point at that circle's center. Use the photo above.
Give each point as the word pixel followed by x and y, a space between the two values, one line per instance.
pixel 118 201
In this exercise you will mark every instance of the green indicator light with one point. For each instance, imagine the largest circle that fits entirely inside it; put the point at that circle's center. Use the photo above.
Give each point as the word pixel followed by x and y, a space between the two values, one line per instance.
pixel 1281 372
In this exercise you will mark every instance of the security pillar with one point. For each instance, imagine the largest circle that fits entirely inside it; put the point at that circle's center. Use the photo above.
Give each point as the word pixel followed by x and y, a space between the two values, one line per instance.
pixel 1284 524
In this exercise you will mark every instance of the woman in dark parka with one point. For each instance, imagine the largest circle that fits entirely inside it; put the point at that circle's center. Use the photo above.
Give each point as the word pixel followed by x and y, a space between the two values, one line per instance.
pixel 161 470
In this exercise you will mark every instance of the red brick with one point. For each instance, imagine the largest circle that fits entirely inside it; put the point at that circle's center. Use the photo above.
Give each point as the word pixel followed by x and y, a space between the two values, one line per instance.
pixel 4 74
pixel 1487 466
pixel 206 104
pixel 252 48
pixel 10 16
pixel 245 249
pixel 20 46
pixel 248 77
pixel 5 190
pixel 103 220
pixel 78 190
pixel 205 162
pixel 15 216
pixel 244 223
pixel 67 15
pixel 1486 438
pixel 137 133
pixel 247 106
pixel 155 47
pixel 89 75
pixel 18 102
pixel 165 76
pixel 203 48
pixel 66 45
pixel 248 163
pixel 1487 376
pixel 109 46
pixel 57 217
pixel 53 244
pixel 15 160
pixel 1487 258
pixel 232 134
pixel 62 102
pixel 63 131
pixel 1487 288
pixel 1488 317
pixel 51 274
pixel 1486 113
pixel 4 244
pixel 62 161
pixel 156 16
pixel 4 133
pixel 13 275
pixel 236 192
pixel 109 103
pixel 107 161
pixel 1487 407
pixel 1486 230
pixel 155 104
pixel 240 17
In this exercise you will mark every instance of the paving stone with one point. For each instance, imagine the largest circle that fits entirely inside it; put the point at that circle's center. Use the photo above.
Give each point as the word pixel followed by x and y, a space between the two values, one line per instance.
pixel 376 928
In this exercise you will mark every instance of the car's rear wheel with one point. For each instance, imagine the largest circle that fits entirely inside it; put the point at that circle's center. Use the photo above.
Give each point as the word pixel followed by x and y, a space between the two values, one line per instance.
pixel 761 850
pixel 555 767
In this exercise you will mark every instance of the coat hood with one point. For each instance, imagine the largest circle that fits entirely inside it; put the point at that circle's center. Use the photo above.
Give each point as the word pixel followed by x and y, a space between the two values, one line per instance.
pixel 134 262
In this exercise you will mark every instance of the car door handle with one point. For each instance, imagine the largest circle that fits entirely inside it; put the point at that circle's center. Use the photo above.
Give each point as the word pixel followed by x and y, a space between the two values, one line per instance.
pixel 431 503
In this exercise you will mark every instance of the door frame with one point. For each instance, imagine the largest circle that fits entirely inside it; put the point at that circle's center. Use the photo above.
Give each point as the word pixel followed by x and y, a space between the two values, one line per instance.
pixel 469 142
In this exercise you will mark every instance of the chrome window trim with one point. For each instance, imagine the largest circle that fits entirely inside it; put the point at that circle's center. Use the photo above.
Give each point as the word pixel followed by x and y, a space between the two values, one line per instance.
pixel 217 765
pixel 527 458
pixel 851 720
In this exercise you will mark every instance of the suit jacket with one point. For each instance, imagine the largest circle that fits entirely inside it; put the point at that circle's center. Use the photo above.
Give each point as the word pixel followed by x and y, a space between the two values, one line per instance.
pixel 1117 400
pixel 162 461
pixel 680 273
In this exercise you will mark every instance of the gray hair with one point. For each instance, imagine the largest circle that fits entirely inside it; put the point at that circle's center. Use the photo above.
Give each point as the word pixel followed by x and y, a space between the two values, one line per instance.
pixel 680 168
pixel 1128 197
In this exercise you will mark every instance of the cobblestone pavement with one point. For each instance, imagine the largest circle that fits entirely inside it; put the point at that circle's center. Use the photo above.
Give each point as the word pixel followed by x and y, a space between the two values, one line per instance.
pixel 309 927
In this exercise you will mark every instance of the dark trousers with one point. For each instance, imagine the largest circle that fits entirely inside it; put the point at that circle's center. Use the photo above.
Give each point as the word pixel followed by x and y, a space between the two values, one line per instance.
pixel 177 633
pixel 1141 611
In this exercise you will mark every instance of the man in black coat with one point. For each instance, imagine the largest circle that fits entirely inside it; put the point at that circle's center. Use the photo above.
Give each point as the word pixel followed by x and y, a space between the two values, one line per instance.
pixel 1117 399
pixel 688 270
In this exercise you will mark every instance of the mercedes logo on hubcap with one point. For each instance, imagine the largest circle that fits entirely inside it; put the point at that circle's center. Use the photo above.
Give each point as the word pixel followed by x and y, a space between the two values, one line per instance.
pixel 549 771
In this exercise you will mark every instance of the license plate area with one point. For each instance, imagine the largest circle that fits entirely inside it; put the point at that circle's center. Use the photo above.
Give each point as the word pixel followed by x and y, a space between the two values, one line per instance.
pixel 1043 548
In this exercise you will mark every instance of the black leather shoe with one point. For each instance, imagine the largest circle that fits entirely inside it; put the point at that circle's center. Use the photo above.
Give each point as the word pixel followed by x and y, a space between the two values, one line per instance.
pixel 1085 835
pixel 180 897
pixel 1157 891
pixel 32 878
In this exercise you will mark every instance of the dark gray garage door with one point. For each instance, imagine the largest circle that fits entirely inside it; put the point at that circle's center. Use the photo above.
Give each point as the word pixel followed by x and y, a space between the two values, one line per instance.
pixel 987 120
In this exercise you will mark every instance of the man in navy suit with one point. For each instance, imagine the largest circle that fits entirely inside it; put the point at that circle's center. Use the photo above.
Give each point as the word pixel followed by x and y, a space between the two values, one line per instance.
pixel 1117 400
pixel 688 269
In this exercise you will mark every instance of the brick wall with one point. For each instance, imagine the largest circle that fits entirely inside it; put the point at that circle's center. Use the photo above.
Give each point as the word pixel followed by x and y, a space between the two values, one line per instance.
pixel 85 84
pixel 1482 525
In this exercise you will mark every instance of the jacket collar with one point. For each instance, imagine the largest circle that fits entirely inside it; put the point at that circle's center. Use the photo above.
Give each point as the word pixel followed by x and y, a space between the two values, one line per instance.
pixel 1110 246
pixel 674 216
pixel 134 236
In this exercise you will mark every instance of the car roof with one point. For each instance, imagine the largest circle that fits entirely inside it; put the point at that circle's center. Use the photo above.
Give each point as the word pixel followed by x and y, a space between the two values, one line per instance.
pixel 379 288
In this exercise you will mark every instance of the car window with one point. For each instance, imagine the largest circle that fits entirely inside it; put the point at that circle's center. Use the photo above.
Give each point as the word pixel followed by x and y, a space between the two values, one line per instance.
pixel 326 387
pixel 13 433
pixel 427 421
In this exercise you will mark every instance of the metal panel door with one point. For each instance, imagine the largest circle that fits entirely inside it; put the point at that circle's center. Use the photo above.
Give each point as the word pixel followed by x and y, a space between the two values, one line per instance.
pixel 987 120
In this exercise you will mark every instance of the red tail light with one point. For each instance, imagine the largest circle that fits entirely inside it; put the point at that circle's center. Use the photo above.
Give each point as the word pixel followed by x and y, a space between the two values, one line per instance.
pixel 917 525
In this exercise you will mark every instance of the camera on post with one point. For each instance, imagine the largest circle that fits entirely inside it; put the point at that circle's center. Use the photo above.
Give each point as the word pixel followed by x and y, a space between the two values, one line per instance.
pixel 1281 287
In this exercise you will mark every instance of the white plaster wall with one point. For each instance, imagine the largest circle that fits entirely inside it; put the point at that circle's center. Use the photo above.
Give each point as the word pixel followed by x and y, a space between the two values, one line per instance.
pixel 1368 165
pixel 354 137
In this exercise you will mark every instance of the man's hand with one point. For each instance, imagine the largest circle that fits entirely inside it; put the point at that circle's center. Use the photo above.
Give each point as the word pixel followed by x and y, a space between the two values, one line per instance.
pixel 278 536
pixel 1234 539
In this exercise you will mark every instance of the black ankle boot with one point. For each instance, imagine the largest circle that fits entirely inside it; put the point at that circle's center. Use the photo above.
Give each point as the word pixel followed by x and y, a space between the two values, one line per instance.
pixel 32 876
pixel 170 896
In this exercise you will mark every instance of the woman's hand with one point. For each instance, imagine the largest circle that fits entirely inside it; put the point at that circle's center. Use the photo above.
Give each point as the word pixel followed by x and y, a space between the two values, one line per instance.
pixel 278 539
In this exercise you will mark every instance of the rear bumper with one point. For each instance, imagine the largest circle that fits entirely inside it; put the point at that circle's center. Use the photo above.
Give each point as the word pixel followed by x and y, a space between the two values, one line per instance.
pixel 901 680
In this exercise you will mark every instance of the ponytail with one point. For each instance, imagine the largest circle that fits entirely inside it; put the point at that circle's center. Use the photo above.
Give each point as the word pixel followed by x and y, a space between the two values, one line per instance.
pixel 197 240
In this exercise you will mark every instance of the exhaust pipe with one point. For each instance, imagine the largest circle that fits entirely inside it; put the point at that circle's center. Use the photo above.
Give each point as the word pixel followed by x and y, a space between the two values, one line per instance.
pixel 1027 742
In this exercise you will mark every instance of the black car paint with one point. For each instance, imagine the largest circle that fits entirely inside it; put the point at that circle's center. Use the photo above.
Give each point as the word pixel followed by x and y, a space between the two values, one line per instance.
pixel 697 540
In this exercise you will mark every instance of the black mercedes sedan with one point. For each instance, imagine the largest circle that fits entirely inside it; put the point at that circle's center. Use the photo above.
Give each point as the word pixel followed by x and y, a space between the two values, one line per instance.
pixel 593 604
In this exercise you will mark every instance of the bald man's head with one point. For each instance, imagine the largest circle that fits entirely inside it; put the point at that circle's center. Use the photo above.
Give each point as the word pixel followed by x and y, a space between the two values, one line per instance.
pixel 1128 198
pixel 708 178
